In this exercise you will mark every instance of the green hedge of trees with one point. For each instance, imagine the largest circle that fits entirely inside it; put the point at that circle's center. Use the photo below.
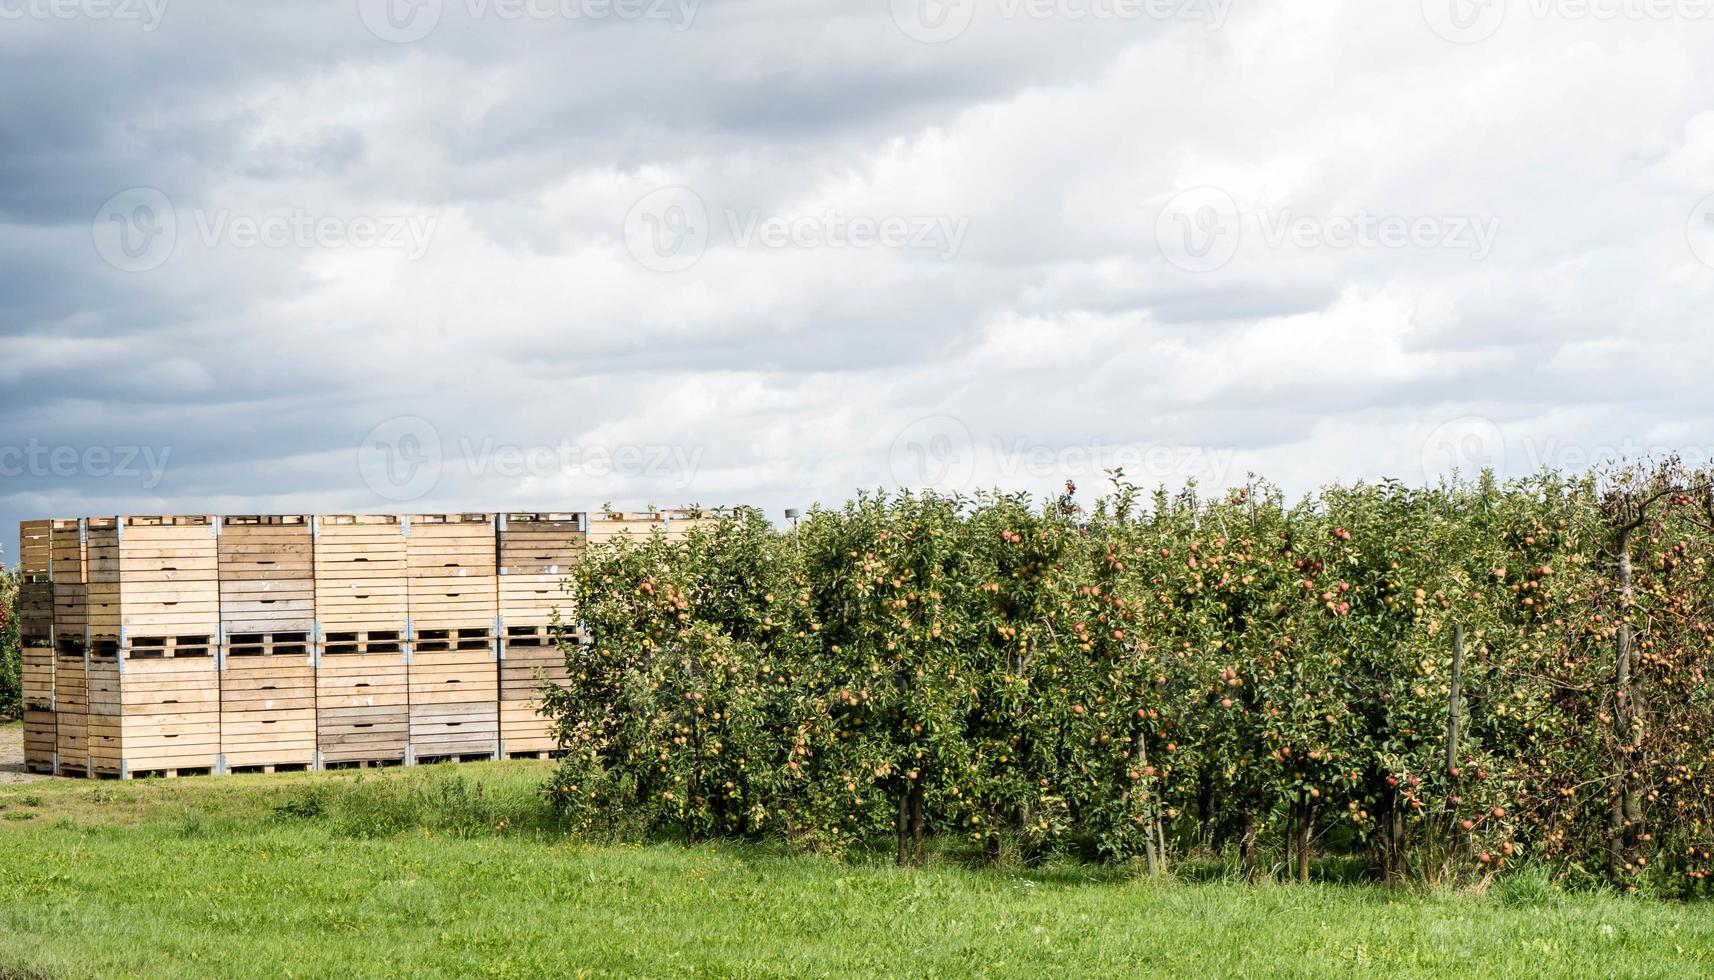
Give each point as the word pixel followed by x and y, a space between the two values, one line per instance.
pixel 11 657
pixel 1453 681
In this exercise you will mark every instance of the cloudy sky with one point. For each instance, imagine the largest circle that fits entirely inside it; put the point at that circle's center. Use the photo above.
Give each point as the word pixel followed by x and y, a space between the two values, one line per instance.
pixel 416 255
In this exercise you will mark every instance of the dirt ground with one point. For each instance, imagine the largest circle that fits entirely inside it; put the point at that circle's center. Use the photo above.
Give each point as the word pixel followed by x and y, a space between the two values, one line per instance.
pixel 12 755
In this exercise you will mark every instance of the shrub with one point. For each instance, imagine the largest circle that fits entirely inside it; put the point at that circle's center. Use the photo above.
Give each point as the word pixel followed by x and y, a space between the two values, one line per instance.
pixel 1173 676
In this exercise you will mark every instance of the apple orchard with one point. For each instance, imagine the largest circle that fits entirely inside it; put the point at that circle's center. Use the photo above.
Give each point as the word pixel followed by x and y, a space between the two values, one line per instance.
pixel 1449 683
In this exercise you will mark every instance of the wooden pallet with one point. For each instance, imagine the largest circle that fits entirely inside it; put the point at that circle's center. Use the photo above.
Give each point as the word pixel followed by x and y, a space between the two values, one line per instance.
pixel 41 740
pixel 453 571
pixel 523 730
pixel 267 574
pixel 267 706
pixel 71 710
pixel 454 699
pixel 359 565
pixel 154 576
pixel 362 702
pixel 154 709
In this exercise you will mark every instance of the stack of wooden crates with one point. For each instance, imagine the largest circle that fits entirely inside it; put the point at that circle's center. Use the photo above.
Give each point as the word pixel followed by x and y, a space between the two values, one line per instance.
pixel 267 669
pixel 454 687
pixel 35 636
pixel 363 710
pixel 171 645
pixel 536 551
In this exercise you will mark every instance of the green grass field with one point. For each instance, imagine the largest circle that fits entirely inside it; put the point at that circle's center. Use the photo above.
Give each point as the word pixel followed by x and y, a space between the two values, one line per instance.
pixel 410 873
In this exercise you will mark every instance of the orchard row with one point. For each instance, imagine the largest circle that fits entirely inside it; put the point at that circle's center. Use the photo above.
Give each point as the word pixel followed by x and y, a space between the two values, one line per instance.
pixel 1453 681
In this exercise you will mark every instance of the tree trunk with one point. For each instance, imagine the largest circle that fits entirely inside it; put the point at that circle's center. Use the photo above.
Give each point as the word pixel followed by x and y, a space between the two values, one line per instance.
pixel 1305 827
pixel 1452 700
pixel 1141 750
pixel 1625 815
pixel 904 826
pixel 917 830
pixel 1395 838
pixel 1249 847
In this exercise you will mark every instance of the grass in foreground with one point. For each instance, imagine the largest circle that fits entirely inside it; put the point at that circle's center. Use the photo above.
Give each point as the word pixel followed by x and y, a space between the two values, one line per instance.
pixel 411 874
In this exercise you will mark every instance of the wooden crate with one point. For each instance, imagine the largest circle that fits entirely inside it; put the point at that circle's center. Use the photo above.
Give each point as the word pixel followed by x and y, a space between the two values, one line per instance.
pixel 526 664
pixel 453 572
pixel 267 575
pixel 68 548
pixel 454 696
pixel 35 550
pixel 154 710
pixel 537 553
pixel 267 703
pixel 69 570
pixel 604 526
pixel 41 740
pixel 35 611
pixel 362 699
pixel 679 523
pixel 71 709
pixel 153 577
pixel 38 671
pixel 360 574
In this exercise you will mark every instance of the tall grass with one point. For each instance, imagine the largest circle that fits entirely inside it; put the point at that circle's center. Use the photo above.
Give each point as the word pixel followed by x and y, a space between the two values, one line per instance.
pixel 441 799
